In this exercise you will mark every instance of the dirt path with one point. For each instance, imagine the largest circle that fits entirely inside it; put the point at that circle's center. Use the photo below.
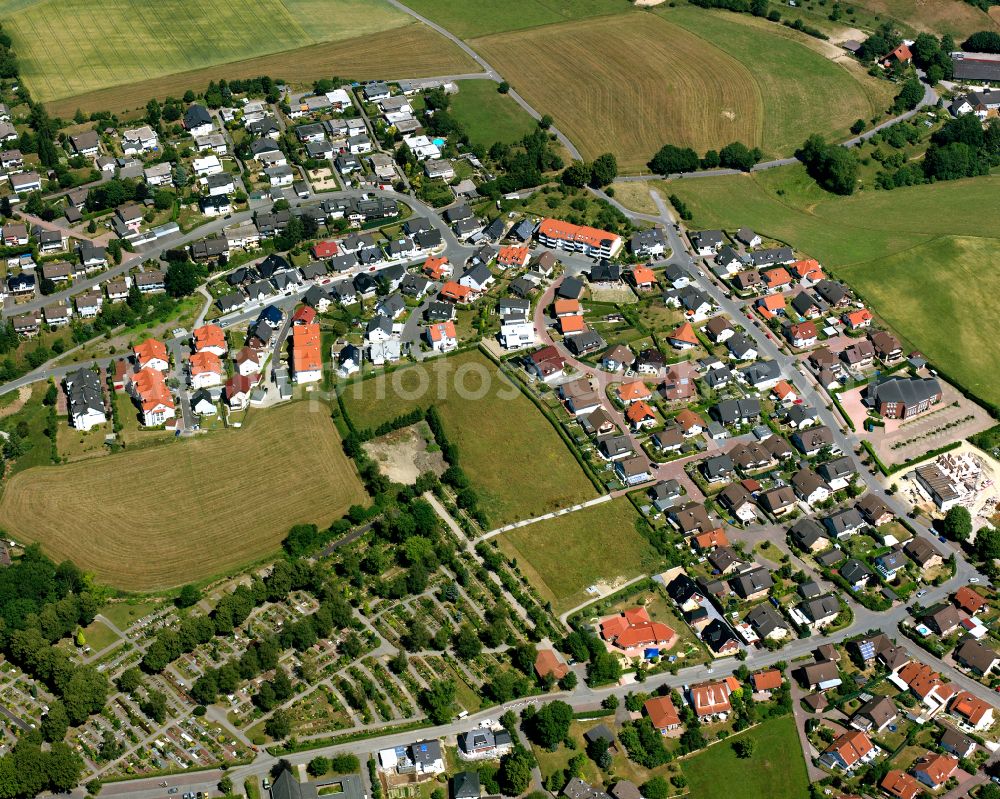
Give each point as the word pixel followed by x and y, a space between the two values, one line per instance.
pixel 23 395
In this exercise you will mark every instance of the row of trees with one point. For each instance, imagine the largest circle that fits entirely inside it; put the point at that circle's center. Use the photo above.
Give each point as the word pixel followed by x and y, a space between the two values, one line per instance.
pixel 597 173
pixel 833 167
pixel 671 159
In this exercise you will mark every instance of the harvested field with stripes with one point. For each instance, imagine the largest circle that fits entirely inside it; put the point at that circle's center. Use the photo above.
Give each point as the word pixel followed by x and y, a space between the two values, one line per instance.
pixel 73 47
pixel 187 510
pixel 629 84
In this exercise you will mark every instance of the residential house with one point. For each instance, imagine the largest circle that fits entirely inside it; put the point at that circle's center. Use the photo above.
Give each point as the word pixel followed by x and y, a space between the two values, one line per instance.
pixel 821 676
pixel 737 500
pixel 923 553
pixel 152 354
pixel 844 522
pixel 820 611
pixel 753 584
pixel 976 656
pixel 576 238
pixel 809 535
pixel 857 575
pixel 849 751
pixel 206 370
pixel 707 242
pixel 149 389
pixel 710 700
pixel 442 336
pixel 809 487
pixel 85 399
pixel 874 715
pixel 770 625
pixel 777 501
pixel 934 770
pixel 972 713
pixel 634 629
pixel 802 334
pixel 650 243
pixel 662 714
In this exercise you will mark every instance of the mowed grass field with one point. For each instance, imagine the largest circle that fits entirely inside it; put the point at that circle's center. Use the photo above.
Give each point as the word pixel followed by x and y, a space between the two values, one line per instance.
pixel 72 47
pixel 775 770
pixel 563 556
pixel 629 84
pixel 184 511
pixel 489 116
pixel 469 18
pixel 632 82
pixel 509 450
pixel 414 50
pixel 920 255
pixel 807 86
pixel 955 17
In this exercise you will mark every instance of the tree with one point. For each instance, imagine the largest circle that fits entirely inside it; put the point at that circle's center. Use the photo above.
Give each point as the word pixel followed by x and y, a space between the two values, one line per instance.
pixel 957 523
pixel 568 683
pixel 438 701
pixel 910 95
pixel 466 642
pixel 656 788
pixel 55 723
pixel 550 724
pixel 279 726
pixel 188 596
pixel 182 278
pixel 858 126
pixel 758 8
pixel 982 42
pixel 318 766
pixel 514 774
pixel 988 544
pixel 711 159
pixel 504 87
pixel 226 785
pixel 577 174
pixel 738 156
pixel 545 122
pixel 743 747
pixel 670 159
pixel 604 170
pixel 832 167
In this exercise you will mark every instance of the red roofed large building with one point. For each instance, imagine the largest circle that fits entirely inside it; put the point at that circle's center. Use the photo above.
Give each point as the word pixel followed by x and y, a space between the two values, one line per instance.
pixel 633 629
pixel 307 360
pixel 850 750
pixel 663 714
pixel 926 684
pixel 152 353
pixel 206 370
pixel 579 238
pixel 149 389
pixel 209 338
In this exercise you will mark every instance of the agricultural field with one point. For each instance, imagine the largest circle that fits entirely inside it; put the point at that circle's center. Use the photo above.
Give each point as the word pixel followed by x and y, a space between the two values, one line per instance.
pixel 788 66
pixel 103 44
pixel 736 77
pixel 487 115
pixel 610 83
pixel 468 19
pixel 923 292
pixel 915 236
pixel 185 511
pixel 413 50
pixel 935 16
pixel 775 770
pixel 511 453
pixel 563 556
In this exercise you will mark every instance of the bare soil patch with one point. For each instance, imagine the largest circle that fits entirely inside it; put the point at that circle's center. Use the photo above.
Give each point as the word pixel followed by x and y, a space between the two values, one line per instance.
pixel 403 455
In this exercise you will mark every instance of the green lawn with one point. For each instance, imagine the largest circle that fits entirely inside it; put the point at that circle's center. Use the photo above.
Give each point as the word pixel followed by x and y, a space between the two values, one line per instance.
pixel 775 770
pixel 98 635
pixel 100 43
pixel 124 614
pixel 468 18
pixel 789 69
pixel 37 446
pixel 489 116
pixel 919 255
pixel 563 556
pixel 509 450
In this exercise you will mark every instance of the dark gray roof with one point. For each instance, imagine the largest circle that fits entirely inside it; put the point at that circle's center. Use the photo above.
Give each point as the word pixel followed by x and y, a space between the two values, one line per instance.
pixel 752 581
pixel 776 255
pixel 83 390
pixel 570 289
pixel 807 532
pixel 820 607
pixel 975 66
pixel 765 619
pixel 854 571
pixel 908 391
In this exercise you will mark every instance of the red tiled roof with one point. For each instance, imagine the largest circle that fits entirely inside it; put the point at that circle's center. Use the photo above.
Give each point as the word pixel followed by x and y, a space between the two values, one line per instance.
pixel 148 350
pixel 639 411
pixel 711 538
pixel 208 336
pixel 325 249
pixel 971 707
pixel 852 747
pixel 442 330
pixel 634 628
pixel 636 390
pixel 662 713
pixel 767 680
pixel 938 768
pixel 684 333
pixel 968 599
pixel 204 362
pixel 548 663
pixel 776 277
pixel 901 785
pixel 557 229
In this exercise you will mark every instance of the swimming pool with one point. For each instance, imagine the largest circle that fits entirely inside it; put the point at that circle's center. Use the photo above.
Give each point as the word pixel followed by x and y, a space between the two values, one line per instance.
pixel 438 142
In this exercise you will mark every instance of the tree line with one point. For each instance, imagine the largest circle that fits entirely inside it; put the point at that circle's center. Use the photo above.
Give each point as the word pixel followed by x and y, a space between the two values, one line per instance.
pixel 671 159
